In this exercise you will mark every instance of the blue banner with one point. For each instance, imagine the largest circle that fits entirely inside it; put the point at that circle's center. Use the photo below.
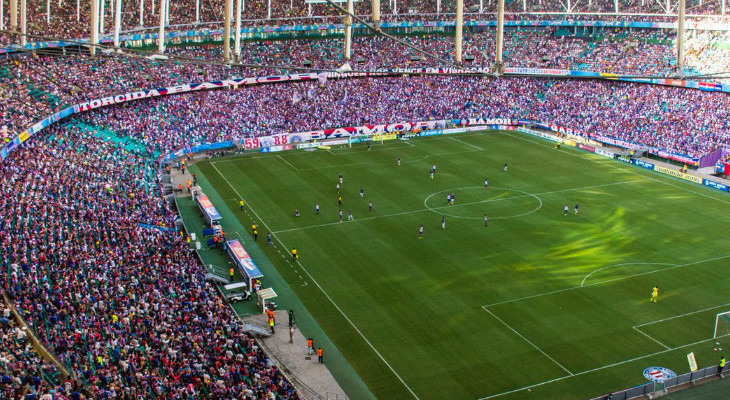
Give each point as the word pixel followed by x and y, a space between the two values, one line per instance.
pixel 644 164
pixel 713 184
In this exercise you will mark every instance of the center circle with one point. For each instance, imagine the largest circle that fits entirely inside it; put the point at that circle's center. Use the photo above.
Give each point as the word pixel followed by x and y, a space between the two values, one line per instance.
pixel 497 202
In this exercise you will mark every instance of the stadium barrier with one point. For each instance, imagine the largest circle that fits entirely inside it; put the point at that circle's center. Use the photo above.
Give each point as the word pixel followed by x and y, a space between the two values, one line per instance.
pixel 650 389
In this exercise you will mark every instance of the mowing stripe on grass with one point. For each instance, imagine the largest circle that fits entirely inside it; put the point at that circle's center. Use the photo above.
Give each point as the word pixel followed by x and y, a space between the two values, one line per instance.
pixel 323 291
pixel 529 342
pixel 606 281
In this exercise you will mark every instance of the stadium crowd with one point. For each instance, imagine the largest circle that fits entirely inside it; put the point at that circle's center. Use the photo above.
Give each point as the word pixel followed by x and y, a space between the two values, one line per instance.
pixel 91 260
pixel 684 121
pixel 34 87
pixel 67 21
pixel 22 371
pixel 88 251
pixel 76 77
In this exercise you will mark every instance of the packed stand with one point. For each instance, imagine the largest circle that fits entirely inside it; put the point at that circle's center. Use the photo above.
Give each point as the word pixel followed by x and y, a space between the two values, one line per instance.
pixel 22 371
pixel 66 21
pixel 684 121
pixel 76 77
pixel 101 276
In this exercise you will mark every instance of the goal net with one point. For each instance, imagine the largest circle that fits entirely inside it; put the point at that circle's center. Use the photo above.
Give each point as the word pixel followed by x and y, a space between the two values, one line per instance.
pixel 722 324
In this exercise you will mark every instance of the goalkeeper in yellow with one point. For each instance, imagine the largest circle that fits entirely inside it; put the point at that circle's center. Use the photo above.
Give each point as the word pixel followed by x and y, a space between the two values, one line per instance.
pixel 654 294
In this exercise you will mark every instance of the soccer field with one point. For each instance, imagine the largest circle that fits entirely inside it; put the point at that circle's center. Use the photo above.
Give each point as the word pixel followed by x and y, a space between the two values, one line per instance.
pixel 538 305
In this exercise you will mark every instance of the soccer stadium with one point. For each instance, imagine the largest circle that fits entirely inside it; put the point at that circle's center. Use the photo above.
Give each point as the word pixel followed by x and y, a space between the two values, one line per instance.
pixel 356 199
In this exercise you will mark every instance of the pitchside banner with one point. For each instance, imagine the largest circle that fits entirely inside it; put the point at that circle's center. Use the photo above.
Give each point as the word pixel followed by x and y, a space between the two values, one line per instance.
pixel 266 141
pixel 644 164
pixel 677 174
pixel 715 185
pixel 366 130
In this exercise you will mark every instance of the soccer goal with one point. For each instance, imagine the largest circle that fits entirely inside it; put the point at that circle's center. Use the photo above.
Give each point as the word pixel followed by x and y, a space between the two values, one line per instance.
pixel 722 324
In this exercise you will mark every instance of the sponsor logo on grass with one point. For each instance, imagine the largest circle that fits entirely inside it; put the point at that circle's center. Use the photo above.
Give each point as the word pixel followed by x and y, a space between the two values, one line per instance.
pixel 623 158
pixel 659 374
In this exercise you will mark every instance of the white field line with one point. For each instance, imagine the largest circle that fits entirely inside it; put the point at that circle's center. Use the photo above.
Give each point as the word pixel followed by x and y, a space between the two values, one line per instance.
pixel 388 146
pixel 529 342
pixel 620 265
pixel 287 162
pixel 464 143
pixel 606 281
pixel 325 293
pixel 454 206
pixel 682 315
pixel 595 369
pixel 651 338
pixel 617 165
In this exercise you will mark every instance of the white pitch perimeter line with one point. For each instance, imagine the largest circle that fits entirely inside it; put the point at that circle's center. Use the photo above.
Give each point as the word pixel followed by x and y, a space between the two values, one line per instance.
pixel 596 369
pixel 529 342
pixel 648 336
pixel 464 143
pixel 325 293
pixel 287 162
pixel 457 205
pixel 606 281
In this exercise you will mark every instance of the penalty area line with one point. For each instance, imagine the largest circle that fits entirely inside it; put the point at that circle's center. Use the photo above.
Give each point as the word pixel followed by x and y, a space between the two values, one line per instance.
pixel 528 341
pixel 650 337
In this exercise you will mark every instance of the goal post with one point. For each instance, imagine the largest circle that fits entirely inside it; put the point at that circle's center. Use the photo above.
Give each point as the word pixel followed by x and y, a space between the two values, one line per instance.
pixel 722 324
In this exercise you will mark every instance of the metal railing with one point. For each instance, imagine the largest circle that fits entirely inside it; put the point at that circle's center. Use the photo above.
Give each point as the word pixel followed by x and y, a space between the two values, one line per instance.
pixel 650 389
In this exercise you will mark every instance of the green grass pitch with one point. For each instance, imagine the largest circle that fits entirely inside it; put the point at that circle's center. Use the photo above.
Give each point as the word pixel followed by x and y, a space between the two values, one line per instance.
pixel 536 305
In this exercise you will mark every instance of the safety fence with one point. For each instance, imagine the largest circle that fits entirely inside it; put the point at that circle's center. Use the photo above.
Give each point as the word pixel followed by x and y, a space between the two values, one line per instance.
pixel 654 389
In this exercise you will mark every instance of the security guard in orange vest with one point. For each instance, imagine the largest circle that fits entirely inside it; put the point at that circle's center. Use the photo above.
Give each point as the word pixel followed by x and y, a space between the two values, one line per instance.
pixel 231 272
pixel 310 346
pixel 320 356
